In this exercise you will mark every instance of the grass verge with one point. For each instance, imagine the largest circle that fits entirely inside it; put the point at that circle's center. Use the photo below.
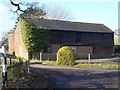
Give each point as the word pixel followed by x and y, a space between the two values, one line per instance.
pixel 95 65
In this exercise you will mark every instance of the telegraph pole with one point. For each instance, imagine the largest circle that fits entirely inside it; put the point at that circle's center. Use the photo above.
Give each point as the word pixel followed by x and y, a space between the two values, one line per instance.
pixel 4 68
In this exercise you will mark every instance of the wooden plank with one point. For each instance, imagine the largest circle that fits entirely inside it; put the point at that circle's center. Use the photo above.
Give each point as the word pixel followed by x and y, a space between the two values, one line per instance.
pixel 8 56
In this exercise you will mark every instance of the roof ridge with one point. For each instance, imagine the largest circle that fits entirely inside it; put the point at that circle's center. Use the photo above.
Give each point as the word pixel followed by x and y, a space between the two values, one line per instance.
pixel 67 21
pixel 69 25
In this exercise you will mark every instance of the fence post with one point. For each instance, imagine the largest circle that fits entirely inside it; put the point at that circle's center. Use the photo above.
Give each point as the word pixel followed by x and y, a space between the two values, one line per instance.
pixel 88 58
pixel 28 66
pixel 10 61
pixel 4 68
pixel 40 56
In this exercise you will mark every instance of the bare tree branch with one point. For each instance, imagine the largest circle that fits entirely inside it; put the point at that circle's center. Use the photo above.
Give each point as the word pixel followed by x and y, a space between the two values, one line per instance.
pixel 31 11
pixel 57 12
pixel 16 5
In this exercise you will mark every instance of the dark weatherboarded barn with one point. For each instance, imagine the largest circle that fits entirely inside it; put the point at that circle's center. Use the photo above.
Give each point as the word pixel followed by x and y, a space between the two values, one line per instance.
pixel 84 38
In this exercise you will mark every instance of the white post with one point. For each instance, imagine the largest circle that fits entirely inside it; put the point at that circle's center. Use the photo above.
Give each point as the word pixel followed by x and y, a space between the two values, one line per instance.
pixel 28 69
pixel 40 56
pixel 88 58
pixel 28 66
pixel 4 67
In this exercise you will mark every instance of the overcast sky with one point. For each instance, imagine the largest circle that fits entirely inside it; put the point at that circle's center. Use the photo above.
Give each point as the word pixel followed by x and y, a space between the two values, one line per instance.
pixel 93 11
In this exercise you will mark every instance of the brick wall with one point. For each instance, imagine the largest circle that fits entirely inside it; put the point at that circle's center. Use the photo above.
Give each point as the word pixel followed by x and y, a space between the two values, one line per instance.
pixel 19 45
pixel 55 48
pixel 102 50
pixel 83 51
pixel 49 56
pixel 11 43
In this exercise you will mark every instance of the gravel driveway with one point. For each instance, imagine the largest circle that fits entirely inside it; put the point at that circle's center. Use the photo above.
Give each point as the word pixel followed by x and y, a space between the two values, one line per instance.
pixel 65 77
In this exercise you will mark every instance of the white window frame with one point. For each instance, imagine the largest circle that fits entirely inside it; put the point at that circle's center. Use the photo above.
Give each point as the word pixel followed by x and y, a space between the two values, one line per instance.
pixel 73 48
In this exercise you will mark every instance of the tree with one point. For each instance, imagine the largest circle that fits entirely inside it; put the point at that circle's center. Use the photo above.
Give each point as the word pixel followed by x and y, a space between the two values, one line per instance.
pixel 17 5
pixel 4 40
pixel 33 12
pixel 48 12
pixel 57 12
pixel 30 11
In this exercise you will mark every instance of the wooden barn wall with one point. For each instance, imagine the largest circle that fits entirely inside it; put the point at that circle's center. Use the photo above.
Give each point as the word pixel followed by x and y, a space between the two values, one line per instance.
pixel 83 38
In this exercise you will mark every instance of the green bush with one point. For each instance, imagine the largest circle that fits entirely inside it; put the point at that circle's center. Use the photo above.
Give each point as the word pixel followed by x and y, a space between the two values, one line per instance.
pixel 65 56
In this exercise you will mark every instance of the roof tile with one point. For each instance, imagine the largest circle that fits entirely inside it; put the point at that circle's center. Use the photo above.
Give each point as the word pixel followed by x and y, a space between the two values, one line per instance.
pixel 68 25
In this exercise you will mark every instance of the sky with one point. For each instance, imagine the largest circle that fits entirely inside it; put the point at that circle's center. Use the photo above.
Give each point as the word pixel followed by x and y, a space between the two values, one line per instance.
pixel 91 11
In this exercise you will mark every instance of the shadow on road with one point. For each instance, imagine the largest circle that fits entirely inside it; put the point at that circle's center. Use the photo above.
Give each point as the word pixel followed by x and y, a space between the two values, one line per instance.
pixel 70 78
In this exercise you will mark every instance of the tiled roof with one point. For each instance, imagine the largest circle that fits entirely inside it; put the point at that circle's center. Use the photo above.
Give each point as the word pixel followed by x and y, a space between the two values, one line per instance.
pixel 68 25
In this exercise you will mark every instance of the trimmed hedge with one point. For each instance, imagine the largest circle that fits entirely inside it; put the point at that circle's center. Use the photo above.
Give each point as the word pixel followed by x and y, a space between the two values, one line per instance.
pixel 65 56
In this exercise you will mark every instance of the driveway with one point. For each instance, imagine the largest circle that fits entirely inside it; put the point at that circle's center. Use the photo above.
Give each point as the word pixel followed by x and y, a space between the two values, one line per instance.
pixel 66 77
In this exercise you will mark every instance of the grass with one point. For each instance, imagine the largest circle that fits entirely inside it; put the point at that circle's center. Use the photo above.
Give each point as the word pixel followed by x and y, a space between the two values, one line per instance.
pixel 51 63
pixel 34 60
pixel 77 65
pixel 101 65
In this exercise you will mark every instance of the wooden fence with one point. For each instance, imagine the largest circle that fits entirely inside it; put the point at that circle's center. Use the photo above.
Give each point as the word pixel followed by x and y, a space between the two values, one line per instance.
pixel 9 68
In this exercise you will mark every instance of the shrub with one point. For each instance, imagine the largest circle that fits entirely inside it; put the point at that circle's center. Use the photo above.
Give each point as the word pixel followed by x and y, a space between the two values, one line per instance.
pixel 65 56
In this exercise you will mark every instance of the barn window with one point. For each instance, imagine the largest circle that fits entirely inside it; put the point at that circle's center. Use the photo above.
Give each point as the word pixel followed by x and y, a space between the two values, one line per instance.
pixel 47 49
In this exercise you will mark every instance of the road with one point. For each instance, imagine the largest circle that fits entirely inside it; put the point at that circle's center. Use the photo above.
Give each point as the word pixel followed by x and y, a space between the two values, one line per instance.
pixel 66 77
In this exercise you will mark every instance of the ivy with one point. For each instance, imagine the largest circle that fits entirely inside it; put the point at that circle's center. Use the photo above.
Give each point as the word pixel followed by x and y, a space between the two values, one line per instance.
pixel 34 38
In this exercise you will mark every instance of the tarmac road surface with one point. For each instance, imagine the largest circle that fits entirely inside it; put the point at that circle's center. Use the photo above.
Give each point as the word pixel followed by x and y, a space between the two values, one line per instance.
pixel 66 77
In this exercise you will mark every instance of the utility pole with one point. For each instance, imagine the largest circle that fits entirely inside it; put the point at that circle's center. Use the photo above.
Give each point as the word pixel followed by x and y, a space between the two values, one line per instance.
pixel 4 64
pixel 4 68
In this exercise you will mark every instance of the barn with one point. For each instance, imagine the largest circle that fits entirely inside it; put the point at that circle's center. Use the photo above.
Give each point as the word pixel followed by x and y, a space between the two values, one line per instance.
pixel 85 38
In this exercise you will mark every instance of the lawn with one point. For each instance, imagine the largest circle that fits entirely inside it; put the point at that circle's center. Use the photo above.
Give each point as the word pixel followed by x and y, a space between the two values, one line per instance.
pixel 85 65
pixel 101 65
